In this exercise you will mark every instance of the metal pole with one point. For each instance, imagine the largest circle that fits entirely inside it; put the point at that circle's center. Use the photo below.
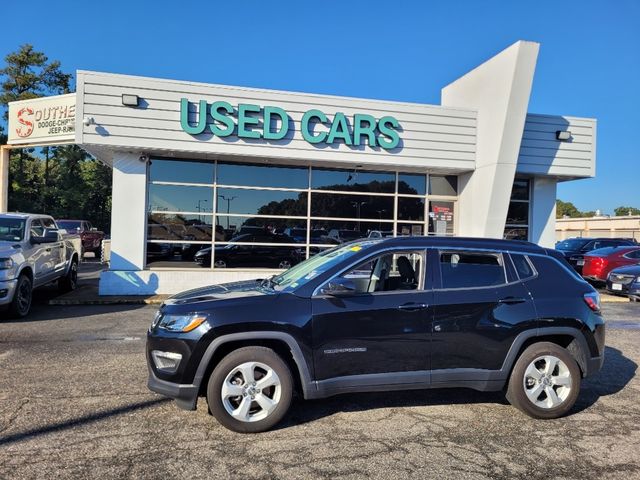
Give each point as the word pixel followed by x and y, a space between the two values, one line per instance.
pixel 4 177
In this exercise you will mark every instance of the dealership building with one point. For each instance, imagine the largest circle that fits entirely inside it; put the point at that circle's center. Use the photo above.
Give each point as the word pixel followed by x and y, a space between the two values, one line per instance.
pixel 195 165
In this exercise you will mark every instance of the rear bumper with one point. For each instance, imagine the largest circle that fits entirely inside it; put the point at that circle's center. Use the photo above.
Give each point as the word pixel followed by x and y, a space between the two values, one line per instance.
pixel 186 396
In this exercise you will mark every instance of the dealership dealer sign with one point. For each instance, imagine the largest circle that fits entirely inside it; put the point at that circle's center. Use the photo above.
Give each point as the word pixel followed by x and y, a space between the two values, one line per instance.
pixel 42 121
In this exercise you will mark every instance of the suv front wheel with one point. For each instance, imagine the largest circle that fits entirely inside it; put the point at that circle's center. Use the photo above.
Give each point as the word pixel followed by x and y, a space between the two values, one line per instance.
pixel 250 390
pixel 545 381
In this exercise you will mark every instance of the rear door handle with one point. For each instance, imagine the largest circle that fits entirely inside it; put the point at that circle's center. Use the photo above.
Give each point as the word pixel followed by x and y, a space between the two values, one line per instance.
pixel 411 307
pixel 511 300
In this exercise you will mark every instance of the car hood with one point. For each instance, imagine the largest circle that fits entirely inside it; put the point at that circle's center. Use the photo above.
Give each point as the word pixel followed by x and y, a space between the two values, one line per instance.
pixel 628 270
pixel 8 248
pixel 225 291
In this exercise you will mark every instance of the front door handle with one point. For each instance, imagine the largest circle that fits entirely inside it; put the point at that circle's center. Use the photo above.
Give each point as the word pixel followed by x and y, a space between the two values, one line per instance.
pixel 511 300
pixel 411 307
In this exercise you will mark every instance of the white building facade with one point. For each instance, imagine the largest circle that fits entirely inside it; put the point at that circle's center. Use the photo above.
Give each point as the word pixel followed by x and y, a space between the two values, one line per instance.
pixel 195 165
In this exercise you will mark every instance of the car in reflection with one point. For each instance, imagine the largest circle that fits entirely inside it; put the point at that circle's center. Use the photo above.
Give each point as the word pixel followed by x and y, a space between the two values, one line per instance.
pixel 599 263
pixel 300 234
pixel 242 252
pixel 625 281
pixel 342 235
pixel 574 249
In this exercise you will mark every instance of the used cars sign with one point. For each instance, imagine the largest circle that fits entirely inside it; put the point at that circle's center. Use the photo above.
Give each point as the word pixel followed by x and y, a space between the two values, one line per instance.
pixel 253 121
pixel 43 120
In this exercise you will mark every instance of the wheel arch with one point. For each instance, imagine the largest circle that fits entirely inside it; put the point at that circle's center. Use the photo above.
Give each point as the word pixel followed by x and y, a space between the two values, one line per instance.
pixel 282 343
pixel 569 338
pixel 28 271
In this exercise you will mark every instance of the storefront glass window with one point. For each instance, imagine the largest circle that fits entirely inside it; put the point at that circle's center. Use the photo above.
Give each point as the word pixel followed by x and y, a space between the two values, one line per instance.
pixel 269 216
pixel 262 175
pixel 447 185
pixel 517 225
pixel 181 171
pixel 353 180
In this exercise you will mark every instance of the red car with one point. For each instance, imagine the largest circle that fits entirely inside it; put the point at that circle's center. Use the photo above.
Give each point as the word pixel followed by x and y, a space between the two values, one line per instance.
pixel 598 263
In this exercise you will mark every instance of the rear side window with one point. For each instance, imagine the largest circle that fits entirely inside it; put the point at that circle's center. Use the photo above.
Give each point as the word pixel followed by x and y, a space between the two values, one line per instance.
pixel 523 266
pixel 462 269
pixel 635 254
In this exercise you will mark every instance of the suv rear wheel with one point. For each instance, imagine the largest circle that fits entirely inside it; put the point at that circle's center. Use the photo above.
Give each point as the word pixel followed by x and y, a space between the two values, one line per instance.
pixel 545 381
pixel 250 390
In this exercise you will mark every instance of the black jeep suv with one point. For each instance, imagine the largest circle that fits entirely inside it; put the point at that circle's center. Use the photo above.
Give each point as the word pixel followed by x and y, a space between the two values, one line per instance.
pixel 388 314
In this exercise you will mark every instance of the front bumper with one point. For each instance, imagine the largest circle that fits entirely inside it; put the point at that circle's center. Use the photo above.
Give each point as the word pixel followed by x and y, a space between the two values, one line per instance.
pixel 186 396
pixel 7 290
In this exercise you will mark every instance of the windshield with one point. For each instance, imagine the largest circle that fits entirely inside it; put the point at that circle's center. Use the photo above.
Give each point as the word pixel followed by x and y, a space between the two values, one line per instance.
pixel 68 225
pixel 318 264
pixel 571 244
pixel 12 229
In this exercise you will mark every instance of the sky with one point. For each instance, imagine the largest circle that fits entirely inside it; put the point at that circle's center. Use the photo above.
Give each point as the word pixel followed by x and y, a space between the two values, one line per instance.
pixel 588 65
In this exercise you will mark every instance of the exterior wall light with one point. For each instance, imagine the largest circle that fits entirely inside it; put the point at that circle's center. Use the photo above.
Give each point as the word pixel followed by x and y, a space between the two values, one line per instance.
pixel 130 100
pixel 563 135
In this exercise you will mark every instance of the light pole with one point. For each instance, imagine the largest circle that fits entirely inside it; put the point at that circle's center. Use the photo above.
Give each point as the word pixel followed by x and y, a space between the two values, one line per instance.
pixel 228 200
pixel 380 218
pixel 200 210
pixel 358 206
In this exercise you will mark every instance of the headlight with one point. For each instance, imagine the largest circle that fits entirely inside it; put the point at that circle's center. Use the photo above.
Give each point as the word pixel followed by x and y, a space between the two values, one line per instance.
pixel 5 263
pixel 181 323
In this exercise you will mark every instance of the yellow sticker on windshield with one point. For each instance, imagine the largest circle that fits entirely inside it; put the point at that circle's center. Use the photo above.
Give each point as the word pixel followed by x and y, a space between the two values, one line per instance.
pixel 356 248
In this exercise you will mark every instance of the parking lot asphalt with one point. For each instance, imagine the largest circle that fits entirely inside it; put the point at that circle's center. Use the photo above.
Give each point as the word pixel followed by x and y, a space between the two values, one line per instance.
pixel 74 404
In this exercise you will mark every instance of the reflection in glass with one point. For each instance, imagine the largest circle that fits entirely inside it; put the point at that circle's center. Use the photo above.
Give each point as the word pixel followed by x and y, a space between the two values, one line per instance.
pixel 518 213
pixel 175 198
pixel 262 175
pixel 173 255
pixel 340 231
pixel 410 229
pixel 520 189
pixel 243 254
pixel 353 180
pixel 443 185
pixel 351 206
pixel 161 226
pixel 441 217
pixel 237 224
pixel 181 171
pixel 411 208
pixel 262 202
pixel 412 183
pixel 516 233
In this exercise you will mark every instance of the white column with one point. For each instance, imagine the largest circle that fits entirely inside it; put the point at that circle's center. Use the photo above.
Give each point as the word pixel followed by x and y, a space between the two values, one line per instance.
pixel 499 90
pixel 542 224
pixel 4 178
pixel 128 212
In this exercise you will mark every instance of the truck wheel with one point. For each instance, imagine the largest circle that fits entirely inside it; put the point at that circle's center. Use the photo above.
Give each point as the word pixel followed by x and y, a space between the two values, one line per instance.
pixel 250 390
pixel 70 281
pixel 21 303
pixel 545 381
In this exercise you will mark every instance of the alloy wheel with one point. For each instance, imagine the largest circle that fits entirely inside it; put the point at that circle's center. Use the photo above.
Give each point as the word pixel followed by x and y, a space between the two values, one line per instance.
pixel 220 264
pixel 251 391
pixel 547 382
pixel 24 297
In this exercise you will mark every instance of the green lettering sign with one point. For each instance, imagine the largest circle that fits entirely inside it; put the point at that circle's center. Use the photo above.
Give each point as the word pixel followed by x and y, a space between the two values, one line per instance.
pixel 223 120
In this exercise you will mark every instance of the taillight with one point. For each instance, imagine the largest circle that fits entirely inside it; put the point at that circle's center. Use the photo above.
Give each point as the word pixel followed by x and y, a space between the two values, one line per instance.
pixel 592 299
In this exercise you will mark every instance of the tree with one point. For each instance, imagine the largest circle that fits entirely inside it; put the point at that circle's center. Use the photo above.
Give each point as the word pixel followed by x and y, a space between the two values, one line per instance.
pixel 623 211
pixel 29 74
pixel 63 181
pixel 566 209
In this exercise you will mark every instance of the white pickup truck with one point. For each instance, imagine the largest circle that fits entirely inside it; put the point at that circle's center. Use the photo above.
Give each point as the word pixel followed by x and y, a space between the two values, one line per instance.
pixel 33 252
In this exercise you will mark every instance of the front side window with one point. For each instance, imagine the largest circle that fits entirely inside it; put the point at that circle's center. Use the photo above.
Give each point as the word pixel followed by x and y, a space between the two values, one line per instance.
pixel 388 272
pixel 460 269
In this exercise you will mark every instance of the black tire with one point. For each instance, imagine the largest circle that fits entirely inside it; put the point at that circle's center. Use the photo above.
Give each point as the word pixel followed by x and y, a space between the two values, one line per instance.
pixel 228 367
pixel 21 303
pixel 521 388
pixel 70 281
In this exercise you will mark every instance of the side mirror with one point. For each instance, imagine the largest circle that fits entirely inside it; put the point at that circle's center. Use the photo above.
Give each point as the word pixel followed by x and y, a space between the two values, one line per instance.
pixel 339 287
pixel 50 236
